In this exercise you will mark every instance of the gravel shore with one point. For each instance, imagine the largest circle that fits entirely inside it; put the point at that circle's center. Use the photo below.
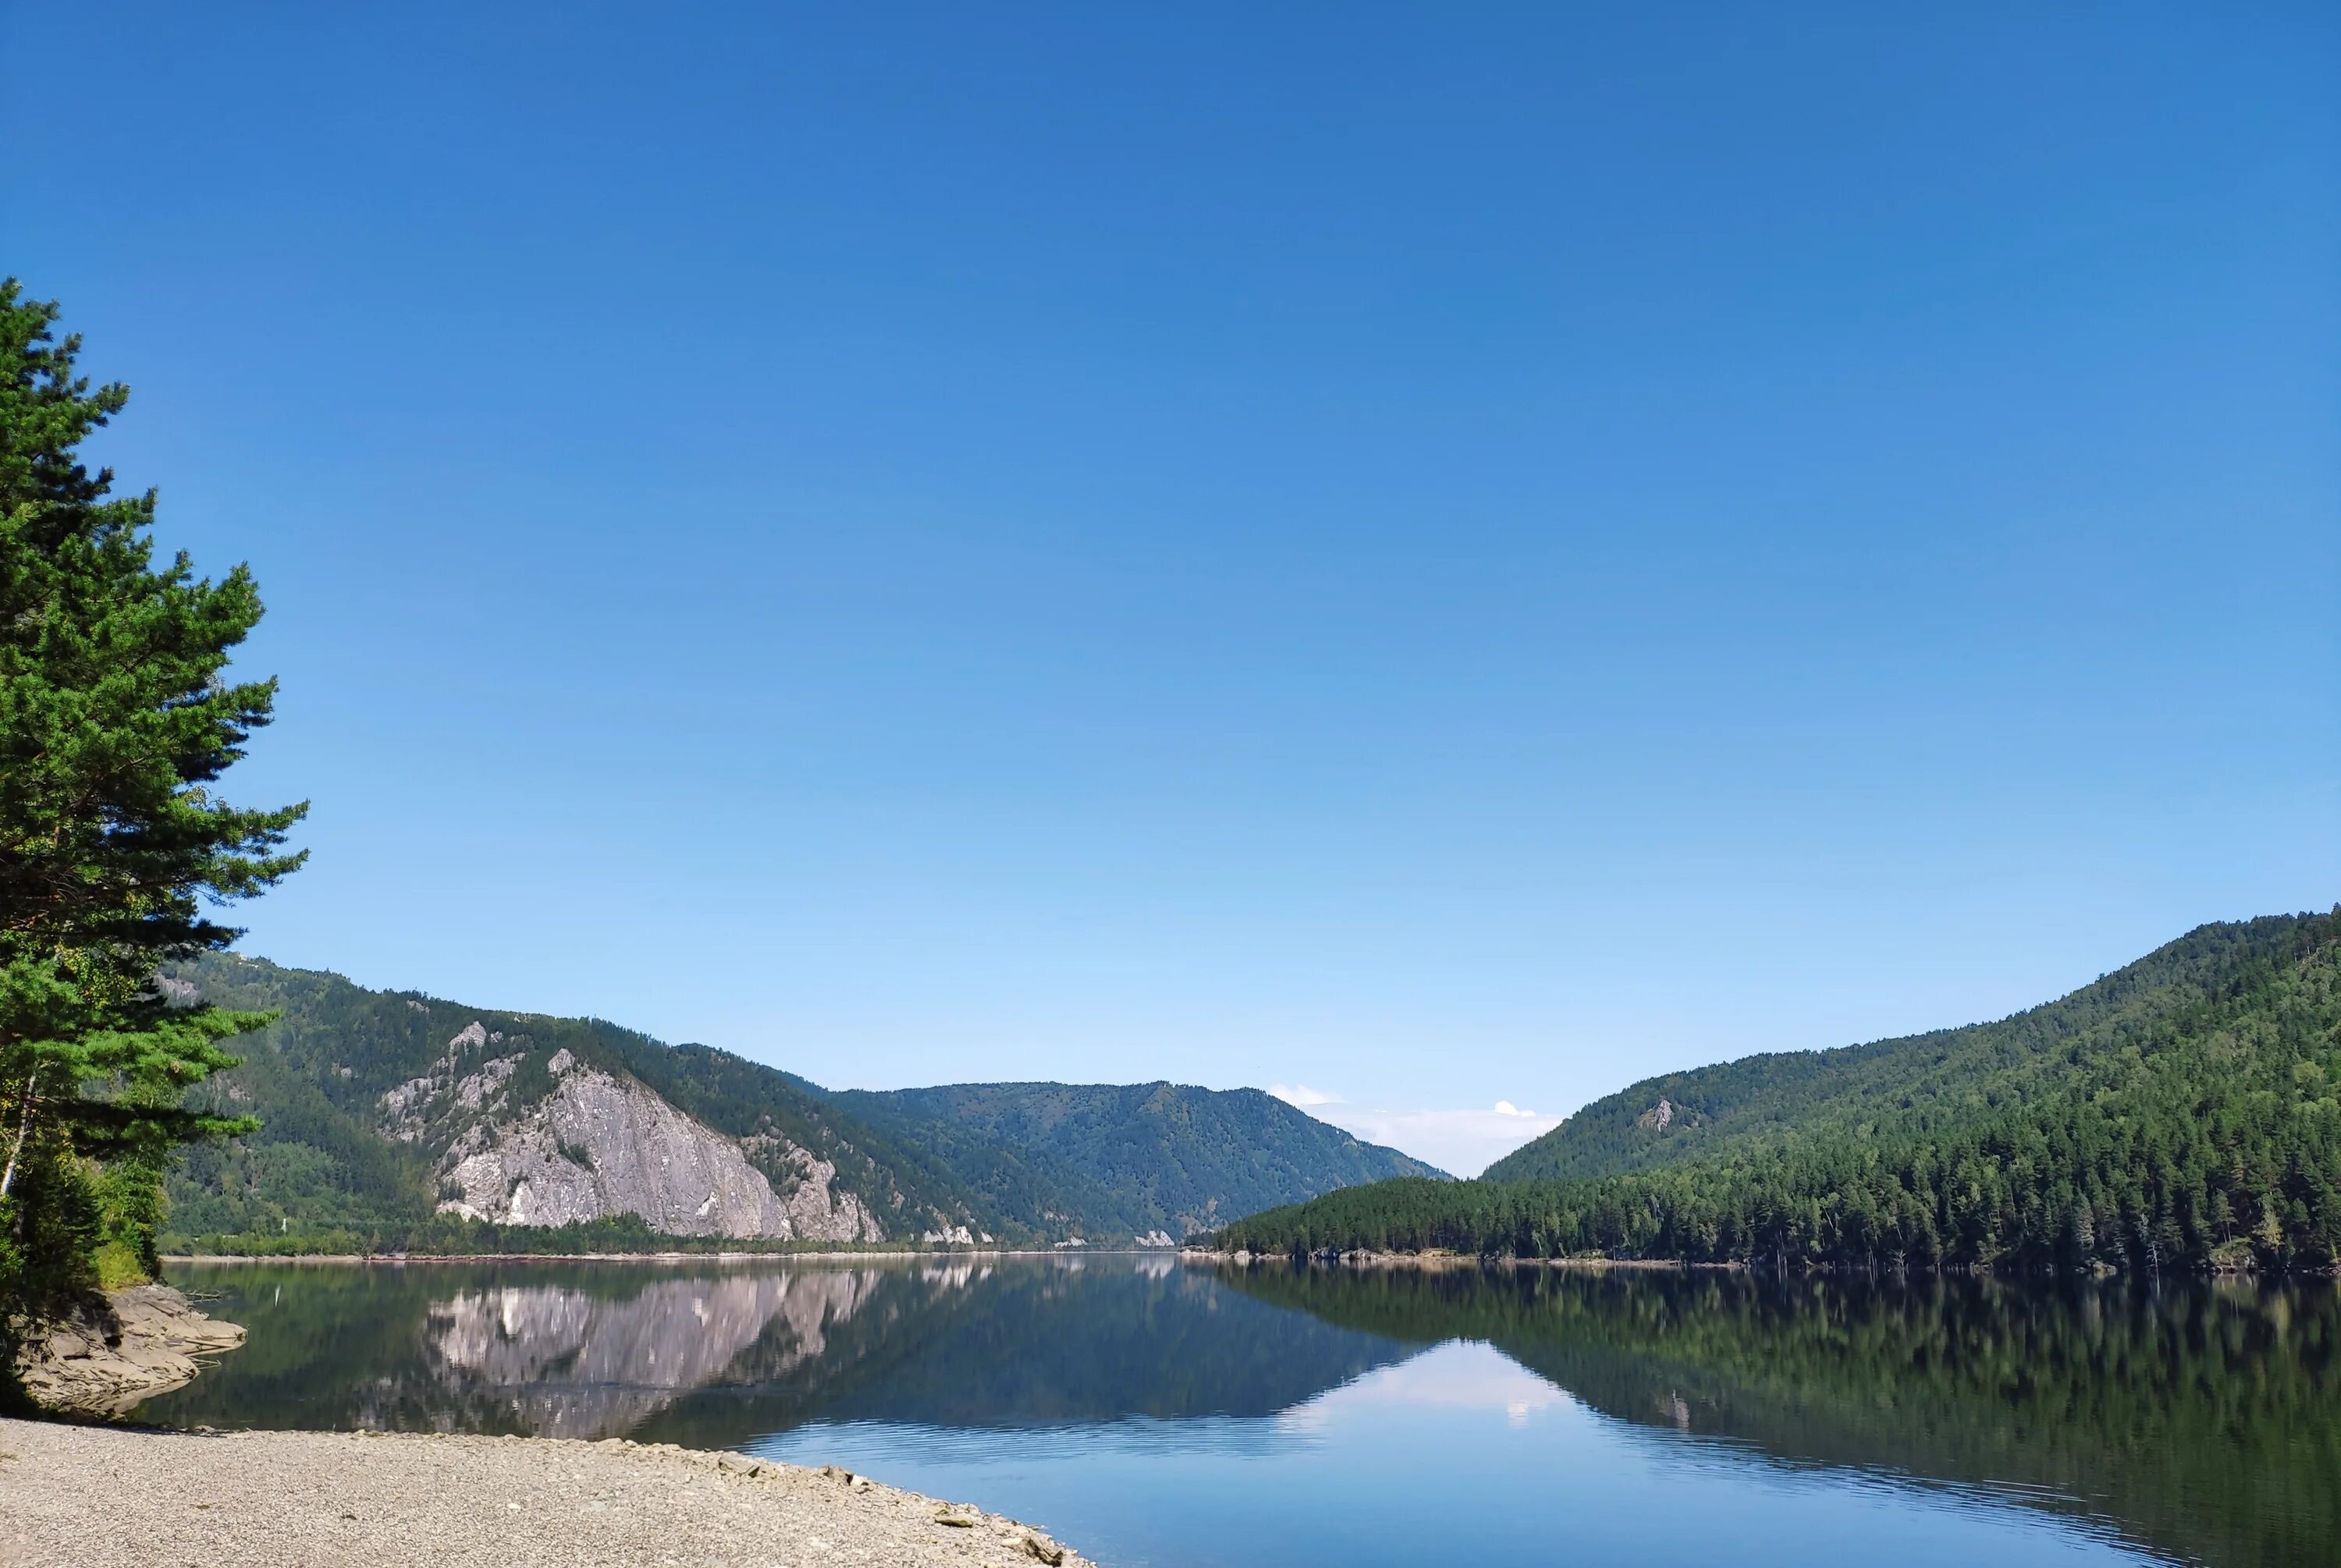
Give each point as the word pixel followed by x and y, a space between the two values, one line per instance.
pixel 117 1497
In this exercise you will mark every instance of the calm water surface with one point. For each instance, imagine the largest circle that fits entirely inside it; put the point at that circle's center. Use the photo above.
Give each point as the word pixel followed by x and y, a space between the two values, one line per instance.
pixel 1156 1414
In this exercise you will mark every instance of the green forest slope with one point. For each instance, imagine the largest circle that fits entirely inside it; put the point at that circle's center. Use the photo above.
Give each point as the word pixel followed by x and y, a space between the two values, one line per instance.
pixel 315 1079
pixel 1129 1158
pixel 1925 1085
pixel 1025 1162
pixel 2184 1112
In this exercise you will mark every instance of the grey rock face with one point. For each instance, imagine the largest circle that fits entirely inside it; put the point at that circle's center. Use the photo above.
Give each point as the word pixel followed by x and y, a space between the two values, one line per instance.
pixel 144 1342
pixel 601 1146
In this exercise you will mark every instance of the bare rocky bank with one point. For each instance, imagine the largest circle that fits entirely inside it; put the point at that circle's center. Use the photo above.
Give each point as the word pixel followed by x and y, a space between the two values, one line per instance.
pixel 117 1497
pixel 122 1348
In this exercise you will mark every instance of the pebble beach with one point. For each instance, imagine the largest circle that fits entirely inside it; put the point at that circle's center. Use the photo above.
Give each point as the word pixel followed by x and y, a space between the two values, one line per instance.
pixel 110 1497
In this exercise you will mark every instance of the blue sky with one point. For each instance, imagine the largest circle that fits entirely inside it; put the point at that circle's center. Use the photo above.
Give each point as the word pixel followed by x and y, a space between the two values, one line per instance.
pixel 1424 558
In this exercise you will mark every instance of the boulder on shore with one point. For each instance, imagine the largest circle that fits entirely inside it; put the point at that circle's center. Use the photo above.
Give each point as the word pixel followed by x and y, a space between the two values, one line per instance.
pixel 122 1348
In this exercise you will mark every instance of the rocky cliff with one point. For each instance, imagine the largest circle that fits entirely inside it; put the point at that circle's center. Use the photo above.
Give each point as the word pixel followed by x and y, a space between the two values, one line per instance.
pixel 525 1139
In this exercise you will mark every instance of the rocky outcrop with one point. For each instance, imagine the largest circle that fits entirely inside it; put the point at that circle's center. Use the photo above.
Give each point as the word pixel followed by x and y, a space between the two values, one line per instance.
pixel 122 1348
pixel 416 1108
pixel 598 1145
pixel 1658 1117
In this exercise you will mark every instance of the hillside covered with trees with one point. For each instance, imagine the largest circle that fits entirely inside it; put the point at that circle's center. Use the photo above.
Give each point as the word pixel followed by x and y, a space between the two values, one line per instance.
pixel 1129 1158
pixel 1023 1162
pixel 319 1162
pixel 2184 1113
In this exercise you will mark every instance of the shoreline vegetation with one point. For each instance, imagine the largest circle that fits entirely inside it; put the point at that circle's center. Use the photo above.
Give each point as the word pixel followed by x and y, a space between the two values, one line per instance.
pixel 589 1241
pixel 1436 1258
pixel 1796 1268
pixel 878 1254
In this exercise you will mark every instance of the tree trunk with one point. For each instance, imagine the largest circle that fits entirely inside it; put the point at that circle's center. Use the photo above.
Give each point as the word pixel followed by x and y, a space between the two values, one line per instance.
pixel 16 1149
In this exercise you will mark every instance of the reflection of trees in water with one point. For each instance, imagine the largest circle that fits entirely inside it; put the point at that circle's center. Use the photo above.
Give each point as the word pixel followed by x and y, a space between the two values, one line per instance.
pixel 2197 1420
pixel 716 1355
pixel 1089 1341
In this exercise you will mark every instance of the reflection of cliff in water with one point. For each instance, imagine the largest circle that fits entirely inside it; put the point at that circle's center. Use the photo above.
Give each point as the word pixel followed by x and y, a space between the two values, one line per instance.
pixel 1021 1346
pixel 715 1355
pixel 569 1362
pixel 2194 1421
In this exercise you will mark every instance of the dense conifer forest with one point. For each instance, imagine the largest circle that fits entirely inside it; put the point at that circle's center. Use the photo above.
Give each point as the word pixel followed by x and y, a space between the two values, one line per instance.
pixel 120 844
pixel 1128 1157
pixel 2184 1113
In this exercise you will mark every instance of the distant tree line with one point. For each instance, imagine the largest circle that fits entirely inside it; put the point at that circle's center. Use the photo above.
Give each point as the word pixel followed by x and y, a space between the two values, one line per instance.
pixel 446 1235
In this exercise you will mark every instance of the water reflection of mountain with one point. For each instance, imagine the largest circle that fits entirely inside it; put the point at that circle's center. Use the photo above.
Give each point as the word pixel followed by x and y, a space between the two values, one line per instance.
pixel 2198 1422
pixel 565 1362
pixel 1022 1346
pixel 714 1355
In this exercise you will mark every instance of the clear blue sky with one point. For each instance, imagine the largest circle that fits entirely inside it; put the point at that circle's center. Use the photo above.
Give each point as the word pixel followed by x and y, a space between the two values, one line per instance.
pixel 1434 555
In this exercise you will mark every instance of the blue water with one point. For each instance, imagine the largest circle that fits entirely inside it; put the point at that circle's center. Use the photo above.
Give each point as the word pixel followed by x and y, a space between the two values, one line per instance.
pixel 1455 1452
pixel 1155 1414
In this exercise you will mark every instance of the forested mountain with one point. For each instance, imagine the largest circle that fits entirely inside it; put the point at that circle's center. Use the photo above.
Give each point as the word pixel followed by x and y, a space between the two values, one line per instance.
pixel 1922 1085
pixel 2183 1112
pixel 334 1084
pixel 1127 1158
pixel 395 1119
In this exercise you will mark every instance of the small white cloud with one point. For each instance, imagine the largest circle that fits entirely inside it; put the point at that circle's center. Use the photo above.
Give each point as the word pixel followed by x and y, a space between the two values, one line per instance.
pixel 1461 1142
pixel 1303 1095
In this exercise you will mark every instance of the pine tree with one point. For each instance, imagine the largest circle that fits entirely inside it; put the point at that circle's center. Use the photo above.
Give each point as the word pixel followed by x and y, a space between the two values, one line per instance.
pixel 116 725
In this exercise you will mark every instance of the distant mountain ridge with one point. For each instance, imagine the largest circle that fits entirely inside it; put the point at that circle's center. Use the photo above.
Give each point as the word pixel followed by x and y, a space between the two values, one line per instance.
pixel 383 1111
pixel 1133 1158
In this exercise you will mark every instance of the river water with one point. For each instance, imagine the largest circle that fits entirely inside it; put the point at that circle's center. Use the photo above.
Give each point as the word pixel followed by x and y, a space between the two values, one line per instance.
pixel 1154 1412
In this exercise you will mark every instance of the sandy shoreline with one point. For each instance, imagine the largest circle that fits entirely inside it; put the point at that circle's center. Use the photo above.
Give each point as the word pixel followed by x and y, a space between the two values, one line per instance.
pixel 97 1496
